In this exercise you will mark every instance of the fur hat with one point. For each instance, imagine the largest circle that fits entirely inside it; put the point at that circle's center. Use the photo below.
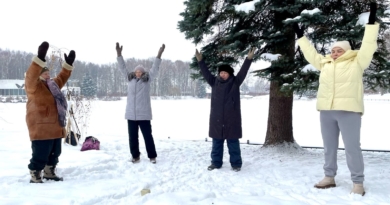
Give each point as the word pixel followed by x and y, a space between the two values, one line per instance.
pixel 44 69
pixel 342 44
pixel 226 68
pixel 140 68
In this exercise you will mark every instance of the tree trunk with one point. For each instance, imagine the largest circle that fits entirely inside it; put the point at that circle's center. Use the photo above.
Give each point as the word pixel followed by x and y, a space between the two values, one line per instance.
pixel 279 128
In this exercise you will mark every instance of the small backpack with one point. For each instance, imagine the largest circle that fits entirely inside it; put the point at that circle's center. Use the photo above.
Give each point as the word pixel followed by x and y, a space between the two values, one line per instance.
pixel 90 143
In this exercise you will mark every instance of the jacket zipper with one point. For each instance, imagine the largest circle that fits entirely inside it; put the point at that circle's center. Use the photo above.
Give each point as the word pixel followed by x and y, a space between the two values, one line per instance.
pixel 135 98
pixel 334 84
pixel 223 118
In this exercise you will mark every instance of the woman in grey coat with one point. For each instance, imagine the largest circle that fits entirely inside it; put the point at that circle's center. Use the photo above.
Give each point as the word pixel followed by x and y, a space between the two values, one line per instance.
pixel 138 109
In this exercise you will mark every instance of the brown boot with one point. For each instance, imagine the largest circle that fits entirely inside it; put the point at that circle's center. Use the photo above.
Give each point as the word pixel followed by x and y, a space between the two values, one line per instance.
pixel 49 174
pixel 326 182
pixel 36 176
pixel 358 189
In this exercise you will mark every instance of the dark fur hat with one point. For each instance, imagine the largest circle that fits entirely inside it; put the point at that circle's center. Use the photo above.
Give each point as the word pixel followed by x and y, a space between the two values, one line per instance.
pixel 226 68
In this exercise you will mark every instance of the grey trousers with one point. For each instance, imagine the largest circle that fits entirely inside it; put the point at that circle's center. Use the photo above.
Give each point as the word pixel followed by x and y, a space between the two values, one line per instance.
pixel 348 123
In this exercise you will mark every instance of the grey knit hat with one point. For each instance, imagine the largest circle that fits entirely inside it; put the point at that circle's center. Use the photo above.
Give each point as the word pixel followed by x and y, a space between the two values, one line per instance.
pixel 140 68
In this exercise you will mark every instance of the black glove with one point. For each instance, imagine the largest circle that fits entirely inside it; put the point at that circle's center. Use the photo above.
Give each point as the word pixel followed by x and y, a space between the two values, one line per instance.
pixel 298 31
pixel 372 17
pixel 42 50
pixel 69 59
pixel 119 49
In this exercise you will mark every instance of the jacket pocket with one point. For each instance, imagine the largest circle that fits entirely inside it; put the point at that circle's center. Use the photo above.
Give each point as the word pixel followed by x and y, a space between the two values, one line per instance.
pixel 45 114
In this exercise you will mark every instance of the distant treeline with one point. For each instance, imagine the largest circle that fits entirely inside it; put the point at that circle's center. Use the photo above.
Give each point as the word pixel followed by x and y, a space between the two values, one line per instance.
pixel 174 78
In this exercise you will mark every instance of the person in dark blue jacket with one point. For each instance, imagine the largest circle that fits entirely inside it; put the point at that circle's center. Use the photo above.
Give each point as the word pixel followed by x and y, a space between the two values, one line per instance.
pixel 225 113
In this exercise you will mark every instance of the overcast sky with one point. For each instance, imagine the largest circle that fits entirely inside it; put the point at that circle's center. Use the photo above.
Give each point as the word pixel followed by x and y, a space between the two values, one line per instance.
pixel 92 28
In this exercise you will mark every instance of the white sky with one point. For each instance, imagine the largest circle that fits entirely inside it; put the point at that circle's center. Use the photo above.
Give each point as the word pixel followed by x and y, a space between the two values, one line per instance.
pixel 269 176
pixel 92 28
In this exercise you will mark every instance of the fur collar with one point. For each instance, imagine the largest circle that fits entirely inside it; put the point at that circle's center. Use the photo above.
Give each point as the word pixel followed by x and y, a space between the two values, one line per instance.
pixel 144 76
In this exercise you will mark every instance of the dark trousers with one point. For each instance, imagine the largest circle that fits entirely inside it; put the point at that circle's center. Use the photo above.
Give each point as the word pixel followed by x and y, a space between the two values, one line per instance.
pixel 44 152
pixel 234 152
pixel 146 129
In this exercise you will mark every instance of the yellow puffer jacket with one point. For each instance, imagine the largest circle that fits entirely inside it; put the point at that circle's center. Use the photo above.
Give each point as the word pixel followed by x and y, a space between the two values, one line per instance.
pixel 341 80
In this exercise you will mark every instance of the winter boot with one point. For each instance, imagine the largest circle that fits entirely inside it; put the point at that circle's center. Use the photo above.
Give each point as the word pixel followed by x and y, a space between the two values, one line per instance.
pixel 135 160
pixel 358 189
pixel 236 169
pixel 326 182
pixel 212 167
pixel 153 160
pixel 49 174
pixel 36 176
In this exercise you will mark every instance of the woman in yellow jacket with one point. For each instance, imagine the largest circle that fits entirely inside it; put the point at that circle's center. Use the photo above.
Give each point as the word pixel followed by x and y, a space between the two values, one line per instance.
pixel 340 99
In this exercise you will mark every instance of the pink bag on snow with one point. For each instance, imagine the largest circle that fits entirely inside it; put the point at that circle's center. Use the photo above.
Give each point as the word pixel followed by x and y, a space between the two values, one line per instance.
pixel 90 143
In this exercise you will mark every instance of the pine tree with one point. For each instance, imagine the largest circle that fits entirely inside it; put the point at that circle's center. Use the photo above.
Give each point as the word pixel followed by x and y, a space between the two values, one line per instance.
pixel 200 89
pixel 88 87
pixel 339 20
pixel 228 34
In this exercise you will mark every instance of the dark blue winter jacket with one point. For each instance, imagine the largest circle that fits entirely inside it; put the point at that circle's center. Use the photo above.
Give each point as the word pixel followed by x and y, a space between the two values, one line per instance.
pixel 225 113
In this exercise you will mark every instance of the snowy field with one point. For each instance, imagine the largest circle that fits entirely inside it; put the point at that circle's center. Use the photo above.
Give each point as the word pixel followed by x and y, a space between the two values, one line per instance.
pixel 269 176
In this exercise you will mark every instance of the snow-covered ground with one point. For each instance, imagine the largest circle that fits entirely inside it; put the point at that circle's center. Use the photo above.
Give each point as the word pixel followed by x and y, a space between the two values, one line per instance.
pixel 180 127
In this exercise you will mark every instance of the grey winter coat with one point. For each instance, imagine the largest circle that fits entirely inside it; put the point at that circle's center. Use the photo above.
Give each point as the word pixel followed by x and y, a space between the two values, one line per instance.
pixel 225 113
pixel 138 97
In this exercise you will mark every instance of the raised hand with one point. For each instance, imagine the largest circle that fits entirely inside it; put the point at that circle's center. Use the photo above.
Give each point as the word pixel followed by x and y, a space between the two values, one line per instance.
pixel 251 53
pixel 198 55
pixel 69 59
pixel 372 17
pixel 42 50
pixel 160 51
pixel 298 31
pixel 119 49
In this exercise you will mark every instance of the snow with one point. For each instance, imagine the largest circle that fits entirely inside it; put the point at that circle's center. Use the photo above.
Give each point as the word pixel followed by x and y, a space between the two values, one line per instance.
pixel 208 89
pixel 270 176
pixel 363 19
pixel 270 56
pixel 305 11
pixel 309 67
pixel 259 65
pixel 247 6
pixel 311 12
pixel 386 19
pixel 292 19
